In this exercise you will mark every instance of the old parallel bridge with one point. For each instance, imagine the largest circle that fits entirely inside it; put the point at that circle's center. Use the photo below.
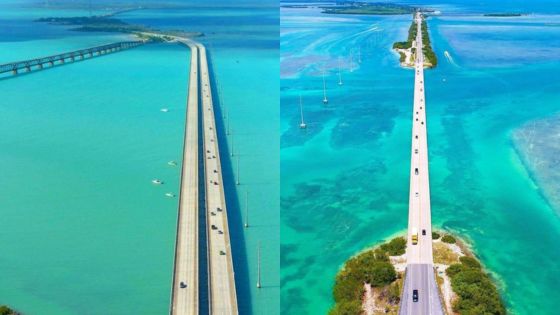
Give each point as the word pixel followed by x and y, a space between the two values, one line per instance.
pixel 60 59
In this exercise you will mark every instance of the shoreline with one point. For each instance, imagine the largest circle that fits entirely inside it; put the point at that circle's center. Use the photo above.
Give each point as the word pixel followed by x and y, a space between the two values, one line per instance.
pixel 407 49
pixel 455 263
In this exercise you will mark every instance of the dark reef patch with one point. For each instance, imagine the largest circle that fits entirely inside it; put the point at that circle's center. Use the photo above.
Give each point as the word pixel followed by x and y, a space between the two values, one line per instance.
pixel 363 125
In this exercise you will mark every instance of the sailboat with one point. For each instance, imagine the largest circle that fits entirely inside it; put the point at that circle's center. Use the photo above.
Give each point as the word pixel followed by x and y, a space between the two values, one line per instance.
pixel 339 73
pixel 259 265
pixel 360 55
pixel 325 99
pixel 302 125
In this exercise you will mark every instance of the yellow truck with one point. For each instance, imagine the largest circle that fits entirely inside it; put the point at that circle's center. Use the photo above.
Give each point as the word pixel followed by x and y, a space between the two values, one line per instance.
pixel 414 236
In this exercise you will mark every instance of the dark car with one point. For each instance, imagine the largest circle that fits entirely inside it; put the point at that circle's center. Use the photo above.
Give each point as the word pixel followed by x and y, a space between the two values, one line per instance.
pixel 416 171
pixel 414 295
pixel 183 285
pixel 423 232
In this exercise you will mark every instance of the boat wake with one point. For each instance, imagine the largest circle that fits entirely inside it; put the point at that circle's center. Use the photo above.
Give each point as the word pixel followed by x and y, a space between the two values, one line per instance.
pixel 449 58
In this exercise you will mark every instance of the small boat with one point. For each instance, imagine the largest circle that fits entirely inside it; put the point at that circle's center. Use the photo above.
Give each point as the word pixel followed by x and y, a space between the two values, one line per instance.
pixel 302 125
pixel 171 195
pixel 339 73
pixel 325 99
pixel 172 163
pixel 164 110
pixel 157 181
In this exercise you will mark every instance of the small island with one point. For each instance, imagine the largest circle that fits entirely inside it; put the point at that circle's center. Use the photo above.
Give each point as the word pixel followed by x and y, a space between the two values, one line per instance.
pixel 407 53
pixel 503 14
pixel 371 282
pixel 5 310
pixel 107 23
pixel 366 8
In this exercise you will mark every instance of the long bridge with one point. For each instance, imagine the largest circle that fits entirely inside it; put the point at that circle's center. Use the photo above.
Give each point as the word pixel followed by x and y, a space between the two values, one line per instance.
pixel 420 293
pixel 221 279
pixel 185 292
pixel 185 288
pixel 60 59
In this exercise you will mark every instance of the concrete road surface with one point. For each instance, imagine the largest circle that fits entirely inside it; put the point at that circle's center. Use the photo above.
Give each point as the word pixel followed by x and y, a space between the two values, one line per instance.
pixel 420 273
pixel 184 301
pixel 420 277
pixel 223 297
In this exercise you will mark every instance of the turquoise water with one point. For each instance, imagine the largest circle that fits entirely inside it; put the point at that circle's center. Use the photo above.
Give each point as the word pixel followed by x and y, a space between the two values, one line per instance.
pixel 345 178
pixel 85 231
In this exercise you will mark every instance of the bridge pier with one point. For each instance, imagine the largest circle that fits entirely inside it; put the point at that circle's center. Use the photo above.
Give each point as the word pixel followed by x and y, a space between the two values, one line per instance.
pixel 15 72
pixel 62 61
pixel 40 66
pixel 28 69
pixel 51 63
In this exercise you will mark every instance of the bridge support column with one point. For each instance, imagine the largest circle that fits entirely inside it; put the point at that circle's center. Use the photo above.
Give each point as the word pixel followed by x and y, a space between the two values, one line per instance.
pixel 41 66
pixel 62 60
pixel 51 63
pixel 14 72
pixel 28 68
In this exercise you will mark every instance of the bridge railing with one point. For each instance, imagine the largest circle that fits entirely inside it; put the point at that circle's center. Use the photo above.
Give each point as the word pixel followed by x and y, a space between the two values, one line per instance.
pixel 26 64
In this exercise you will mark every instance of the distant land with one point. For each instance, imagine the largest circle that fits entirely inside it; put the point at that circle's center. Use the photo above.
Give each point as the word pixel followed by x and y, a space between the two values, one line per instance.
pixel 366 8
pixel 504 14
pixel 294 6
pixel 407 53
pixel 107 23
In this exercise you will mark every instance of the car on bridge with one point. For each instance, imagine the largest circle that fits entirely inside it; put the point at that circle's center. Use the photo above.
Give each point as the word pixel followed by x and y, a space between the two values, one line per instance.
pixel 414 295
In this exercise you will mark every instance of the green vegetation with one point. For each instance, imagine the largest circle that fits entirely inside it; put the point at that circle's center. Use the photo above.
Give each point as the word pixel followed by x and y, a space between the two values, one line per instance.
pixel 470 262
pixel 476 292
pixel 412 31
pixel 429 54
pixel 435 235
pixel 347 308
pixel 372 267
pixel 366 8
pixel 4 310
pixel 448 239
pixel 503 14
pixel 394 292
pixel 395 247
